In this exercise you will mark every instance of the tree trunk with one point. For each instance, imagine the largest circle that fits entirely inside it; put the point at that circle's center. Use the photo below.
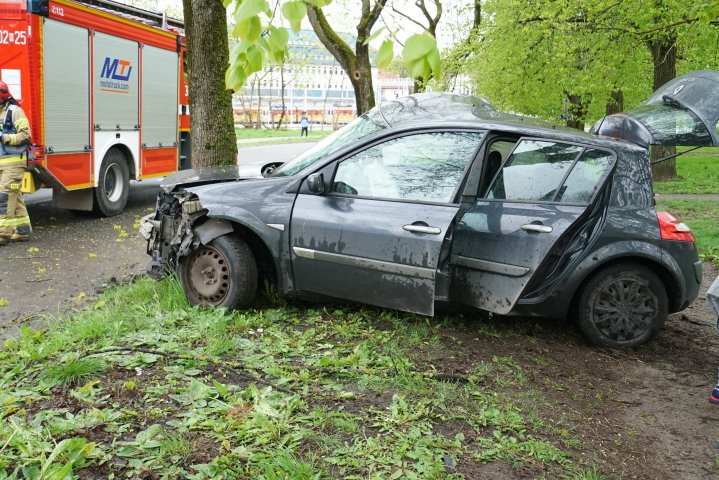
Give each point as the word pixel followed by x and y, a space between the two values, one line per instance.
pixel 355 64
pixel 577 111
pixel 362 80
pixel 664 56
pixel 282 96
pixel 212 136
pixel 615 103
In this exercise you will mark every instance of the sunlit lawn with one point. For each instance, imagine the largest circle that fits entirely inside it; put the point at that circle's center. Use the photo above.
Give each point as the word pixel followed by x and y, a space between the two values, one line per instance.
pixel 698 172
pixel 703 218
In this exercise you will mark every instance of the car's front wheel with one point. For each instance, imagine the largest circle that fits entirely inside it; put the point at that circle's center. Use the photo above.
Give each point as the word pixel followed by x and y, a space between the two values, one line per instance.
pixel 222 273
pixel 623 305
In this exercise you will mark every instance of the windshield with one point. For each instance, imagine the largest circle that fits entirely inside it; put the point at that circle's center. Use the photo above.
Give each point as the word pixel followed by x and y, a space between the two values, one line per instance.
pixel 358 128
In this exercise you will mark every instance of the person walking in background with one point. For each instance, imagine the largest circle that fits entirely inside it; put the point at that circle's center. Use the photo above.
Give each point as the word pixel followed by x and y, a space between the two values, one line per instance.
pixel 14 143
pixel 305 124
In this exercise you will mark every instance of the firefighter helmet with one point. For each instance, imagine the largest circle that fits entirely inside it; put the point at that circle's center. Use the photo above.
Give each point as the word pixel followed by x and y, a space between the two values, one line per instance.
pixel 5 94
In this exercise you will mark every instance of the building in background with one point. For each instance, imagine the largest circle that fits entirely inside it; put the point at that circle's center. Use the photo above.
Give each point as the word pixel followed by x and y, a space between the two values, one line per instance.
pixel 311 81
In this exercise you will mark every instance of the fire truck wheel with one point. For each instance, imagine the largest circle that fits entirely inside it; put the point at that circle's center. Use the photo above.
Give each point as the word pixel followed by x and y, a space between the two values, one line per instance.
pixel 113 186
pixel 222 273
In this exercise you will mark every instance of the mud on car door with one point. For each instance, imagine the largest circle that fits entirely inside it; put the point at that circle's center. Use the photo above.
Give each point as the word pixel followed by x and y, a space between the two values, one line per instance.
pixel 540 192
pixel 371 228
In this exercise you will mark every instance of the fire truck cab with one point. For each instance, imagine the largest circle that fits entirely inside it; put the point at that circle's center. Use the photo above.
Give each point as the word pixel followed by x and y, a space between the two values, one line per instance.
pixel 103 86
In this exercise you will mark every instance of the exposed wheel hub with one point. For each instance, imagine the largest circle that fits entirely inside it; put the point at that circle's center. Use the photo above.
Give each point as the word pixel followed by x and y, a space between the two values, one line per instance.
pixel 208 275
pixel 624 309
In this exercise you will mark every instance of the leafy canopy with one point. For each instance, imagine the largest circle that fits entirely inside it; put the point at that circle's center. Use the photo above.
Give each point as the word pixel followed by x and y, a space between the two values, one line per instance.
pixel 263 39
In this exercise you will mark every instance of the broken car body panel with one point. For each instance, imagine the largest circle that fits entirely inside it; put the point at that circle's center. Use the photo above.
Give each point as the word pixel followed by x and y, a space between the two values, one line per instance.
pixel 496 250
pixel 684 112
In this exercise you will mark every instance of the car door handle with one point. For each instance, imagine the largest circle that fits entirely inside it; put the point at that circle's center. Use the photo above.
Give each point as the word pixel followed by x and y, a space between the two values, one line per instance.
pixel 533 227
pixel 422 229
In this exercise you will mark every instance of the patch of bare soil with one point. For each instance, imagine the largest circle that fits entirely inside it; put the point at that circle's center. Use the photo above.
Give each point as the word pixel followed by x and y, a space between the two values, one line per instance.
pixel 639 413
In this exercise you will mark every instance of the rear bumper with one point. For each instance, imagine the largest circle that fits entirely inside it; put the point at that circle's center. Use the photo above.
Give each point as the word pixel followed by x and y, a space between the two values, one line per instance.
pixel 690 269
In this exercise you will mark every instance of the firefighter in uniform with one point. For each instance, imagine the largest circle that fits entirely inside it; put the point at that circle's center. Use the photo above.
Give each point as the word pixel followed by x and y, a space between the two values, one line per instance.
pixel 14 143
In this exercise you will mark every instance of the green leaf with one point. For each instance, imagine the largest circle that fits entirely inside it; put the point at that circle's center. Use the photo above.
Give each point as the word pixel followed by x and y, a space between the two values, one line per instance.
pixel 319 3
pixel 277 44
pixel 226 3
pixel 249 29
pixel 384 54
pixel 421 55
pixel 255 56
pixel 235 77
pixel 251 8
pixel 373 36
pixel 240 48
pixel 278 39
pixel 418 46
pixel 294 12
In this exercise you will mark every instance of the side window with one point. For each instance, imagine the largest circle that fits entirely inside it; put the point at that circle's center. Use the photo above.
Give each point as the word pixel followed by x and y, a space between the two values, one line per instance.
pixel 540 170
pixel 534 171
pixel 585 178
pixel 424 167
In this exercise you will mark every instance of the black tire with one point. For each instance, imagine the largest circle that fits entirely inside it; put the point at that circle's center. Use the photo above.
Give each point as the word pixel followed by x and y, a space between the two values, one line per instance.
pixel 222 273
pixel 623 305
pixel 113 187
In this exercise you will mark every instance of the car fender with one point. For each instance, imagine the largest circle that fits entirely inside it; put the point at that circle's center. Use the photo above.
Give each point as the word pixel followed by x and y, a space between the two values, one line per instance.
pixel 211 229
pixel 624 249
pixel 225 220
pixel 557 302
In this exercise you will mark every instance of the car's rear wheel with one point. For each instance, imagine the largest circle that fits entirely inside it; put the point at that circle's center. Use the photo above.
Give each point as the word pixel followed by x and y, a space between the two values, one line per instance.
pixel 623 305
pixel 222 273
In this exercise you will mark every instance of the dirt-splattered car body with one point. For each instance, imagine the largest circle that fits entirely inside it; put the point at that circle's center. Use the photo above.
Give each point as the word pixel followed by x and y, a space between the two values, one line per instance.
pixel 439 198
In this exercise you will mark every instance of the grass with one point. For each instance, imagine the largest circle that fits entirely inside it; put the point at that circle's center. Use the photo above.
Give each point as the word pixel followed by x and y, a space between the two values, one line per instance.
pixel 697 173
pixel 703 218
pixel 265 133
pixel 141 385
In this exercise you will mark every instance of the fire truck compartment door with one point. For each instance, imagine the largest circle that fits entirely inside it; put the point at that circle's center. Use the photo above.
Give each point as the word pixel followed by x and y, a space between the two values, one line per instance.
pixel 66 87
pixel 115 77
pixel 160 90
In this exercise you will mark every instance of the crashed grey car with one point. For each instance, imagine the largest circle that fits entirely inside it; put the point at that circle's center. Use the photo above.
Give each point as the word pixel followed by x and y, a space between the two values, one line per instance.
pixel 438 198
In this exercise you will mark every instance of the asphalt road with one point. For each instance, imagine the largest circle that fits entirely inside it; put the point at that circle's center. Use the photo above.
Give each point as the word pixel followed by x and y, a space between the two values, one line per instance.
pixel 72 256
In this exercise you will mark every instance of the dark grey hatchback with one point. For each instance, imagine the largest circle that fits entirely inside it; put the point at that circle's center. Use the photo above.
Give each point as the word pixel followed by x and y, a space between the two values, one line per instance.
pixel 439 198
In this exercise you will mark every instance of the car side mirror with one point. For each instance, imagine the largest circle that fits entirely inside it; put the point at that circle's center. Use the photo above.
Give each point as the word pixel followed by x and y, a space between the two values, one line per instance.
pixel 316 183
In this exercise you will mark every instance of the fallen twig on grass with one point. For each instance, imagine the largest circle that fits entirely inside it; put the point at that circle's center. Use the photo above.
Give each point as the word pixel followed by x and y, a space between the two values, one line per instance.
pixel 439 376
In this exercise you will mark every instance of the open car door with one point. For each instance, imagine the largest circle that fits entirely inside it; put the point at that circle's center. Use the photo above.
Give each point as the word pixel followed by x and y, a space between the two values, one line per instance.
pixel 684 111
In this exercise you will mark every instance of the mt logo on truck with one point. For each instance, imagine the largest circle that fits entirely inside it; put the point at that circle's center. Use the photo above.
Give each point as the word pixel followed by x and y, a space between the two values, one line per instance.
pixel 121 71
pixel 109 69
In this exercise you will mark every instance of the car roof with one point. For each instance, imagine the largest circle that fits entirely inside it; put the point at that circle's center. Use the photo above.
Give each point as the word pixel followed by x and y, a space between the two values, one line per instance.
pixel 455 110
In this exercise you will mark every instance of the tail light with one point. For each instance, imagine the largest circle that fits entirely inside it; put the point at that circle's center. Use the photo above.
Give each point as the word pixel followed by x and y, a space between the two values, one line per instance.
pixel 671 228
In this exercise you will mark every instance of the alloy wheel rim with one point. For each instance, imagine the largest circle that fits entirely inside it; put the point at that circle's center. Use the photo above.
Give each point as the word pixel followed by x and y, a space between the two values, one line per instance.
pixel 624 309
pixel 208 275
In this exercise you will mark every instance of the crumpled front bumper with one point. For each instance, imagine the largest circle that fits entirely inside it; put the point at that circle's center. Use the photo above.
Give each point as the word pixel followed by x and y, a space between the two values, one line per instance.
pixel 169 231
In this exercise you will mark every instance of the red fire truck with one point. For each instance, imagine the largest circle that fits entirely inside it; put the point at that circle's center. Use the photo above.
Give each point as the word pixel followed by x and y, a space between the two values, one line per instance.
pixel 103 86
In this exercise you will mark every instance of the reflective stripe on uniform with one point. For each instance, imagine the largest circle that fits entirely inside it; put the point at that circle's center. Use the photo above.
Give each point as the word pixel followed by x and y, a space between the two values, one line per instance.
pixel 14 222
pixel 22 124
pixel 10 160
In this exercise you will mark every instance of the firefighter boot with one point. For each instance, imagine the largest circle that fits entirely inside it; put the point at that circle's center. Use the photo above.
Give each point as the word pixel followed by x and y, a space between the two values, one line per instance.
pixel 14 219
pixel 17 208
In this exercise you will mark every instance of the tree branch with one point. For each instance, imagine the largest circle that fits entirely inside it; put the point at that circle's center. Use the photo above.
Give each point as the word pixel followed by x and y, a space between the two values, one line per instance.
pixel 409 18
pixel 369 18
pixel 330 39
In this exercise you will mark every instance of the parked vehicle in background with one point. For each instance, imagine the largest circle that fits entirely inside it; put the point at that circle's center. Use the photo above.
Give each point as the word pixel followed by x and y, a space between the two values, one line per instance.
pixel 103 86
pixel 439 198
